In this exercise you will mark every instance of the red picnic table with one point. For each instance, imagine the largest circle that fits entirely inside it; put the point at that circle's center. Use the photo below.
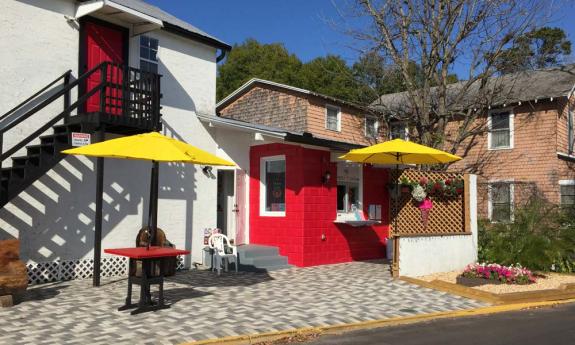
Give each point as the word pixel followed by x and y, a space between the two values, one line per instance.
pixel 146 256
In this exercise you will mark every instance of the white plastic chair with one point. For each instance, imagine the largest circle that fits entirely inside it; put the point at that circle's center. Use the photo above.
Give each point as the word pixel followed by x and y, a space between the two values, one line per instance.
pixel 218 242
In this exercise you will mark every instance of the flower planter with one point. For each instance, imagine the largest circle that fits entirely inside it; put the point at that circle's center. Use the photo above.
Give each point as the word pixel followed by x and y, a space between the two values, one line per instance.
pixel 471 282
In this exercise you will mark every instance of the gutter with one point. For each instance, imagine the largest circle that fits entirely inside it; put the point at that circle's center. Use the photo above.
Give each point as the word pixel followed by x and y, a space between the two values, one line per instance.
pixel 227 124
pixel 195 36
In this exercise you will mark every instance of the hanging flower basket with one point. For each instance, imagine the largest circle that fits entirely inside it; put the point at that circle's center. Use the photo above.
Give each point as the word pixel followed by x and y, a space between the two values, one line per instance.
pixel 451 187
pixel 425 209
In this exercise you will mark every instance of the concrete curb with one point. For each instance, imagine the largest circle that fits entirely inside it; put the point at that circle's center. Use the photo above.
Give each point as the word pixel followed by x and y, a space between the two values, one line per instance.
pixel 566 291
pixel 271 336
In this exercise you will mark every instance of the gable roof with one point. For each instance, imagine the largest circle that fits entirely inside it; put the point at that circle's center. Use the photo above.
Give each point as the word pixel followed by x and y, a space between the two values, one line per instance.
pixel 287 135
pixel 250 84
pixel 172 23
pixel 507 89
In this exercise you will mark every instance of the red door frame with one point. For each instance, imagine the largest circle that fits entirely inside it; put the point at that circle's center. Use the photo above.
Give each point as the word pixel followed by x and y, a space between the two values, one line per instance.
pixel 83 53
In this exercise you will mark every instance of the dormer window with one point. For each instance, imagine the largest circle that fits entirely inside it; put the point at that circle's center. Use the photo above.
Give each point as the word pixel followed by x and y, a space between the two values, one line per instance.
pixel 333 118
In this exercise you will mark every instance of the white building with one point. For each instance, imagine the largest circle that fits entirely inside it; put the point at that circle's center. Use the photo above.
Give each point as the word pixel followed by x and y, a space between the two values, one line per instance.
pixel 53 215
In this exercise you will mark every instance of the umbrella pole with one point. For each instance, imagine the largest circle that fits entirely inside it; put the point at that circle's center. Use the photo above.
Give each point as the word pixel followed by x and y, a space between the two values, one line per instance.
pixel 395 245
pixel 153 206
pixel 98 216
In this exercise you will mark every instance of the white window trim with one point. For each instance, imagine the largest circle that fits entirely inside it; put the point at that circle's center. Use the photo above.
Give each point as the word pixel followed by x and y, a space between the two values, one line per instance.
pixel 511 129
pixel 359 193
pixel 376 124
pixel 263 211
pixel 511 197
pixel 565 183
pixel 334 107
pixel 405 127
pixel 157 62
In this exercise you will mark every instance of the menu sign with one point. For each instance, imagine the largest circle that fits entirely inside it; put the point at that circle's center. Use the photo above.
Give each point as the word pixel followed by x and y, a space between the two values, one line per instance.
pixel 275 185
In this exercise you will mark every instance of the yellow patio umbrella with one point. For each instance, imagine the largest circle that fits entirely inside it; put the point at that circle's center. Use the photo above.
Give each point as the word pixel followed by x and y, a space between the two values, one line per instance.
pixel 397 152
pixel 153 147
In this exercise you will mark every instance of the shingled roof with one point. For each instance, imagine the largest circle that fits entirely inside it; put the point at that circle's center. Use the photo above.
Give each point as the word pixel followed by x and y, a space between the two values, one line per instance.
pixel 506 89
pixel 172 23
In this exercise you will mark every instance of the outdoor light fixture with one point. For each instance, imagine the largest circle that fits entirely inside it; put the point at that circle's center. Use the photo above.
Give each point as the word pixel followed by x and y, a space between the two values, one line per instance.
pixel 326 177
pixel 207 170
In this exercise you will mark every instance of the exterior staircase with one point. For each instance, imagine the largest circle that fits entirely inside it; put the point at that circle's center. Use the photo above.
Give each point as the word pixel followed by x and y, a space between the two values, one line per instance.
pixel 258 258
pixel 39 159
pixel 126 101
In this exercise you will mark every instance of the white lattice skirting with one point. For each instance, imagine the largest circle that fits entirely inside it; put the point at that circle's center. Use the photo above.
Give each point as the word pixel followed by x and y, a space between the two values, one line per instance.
pixel 113 266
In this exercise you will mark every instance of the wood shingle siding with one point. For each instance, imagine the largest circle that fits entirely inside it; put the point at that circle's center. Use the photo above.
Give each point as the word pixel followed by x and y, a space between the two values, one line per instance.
pixel 299 112
pixel 270 107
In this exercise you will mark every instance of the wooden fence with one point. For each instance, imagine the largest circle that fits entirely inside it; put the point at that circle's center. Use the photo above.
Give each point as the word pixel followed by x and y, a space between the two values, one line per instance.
pixel 448 215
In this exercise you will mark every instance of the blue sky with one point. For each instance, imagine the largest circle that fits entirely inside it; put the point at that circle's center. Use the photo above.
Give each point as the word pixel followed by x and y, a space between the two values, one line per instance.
pixel 303 26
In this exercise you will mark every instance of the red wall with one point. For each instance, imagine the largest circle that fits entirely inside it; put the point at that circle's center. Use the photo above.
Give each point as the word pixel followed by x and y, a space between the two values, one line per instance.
pixel 311 210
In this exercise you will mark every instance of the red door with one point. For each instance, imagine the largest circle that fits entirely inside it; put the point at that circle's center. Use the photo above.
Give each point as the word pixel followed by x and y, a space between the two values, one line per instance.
pixel 104 43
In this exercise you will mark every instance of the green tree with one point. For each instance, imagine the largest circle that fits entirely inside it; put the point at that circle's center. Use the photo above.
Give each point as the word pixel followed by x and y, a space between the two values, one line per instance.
pixel 252 59
pixel 377 77
pixel 539 48
pixel 329 75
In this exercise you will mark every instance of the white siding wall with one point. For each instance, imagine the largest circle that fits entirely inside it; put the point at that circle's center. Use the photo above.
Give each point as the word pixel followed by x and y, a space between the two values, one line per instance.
pixel 420 256
pixel 37 46
pixel 54 218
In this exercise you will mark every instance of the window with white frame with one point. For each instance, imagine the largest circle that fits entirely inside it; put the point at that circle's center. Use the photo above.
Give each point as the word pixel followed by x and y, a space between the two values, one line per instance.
pixel 398 130
pixel 567 190
pixel 148 54
pixel 371 127
pixel 348 187
pixel 273 186
pixel 500 130
pixel 332 118
pixel 501 202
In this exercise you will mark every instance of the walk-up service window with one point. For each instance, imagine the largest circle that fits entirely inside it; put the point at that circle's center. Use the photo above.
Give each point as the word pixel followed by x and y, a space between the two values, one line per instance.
pixel 349 188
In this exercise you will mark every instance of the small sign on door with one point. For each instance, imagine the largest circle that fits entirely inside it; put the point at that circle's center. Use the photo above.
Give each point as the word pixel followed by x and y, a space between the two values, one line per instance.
pixel 80 139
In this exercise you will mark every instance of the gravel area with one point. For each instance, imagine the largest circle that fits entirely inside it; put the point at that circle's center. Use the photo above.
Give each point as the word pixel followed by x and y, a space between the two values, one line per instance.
pixel 550 281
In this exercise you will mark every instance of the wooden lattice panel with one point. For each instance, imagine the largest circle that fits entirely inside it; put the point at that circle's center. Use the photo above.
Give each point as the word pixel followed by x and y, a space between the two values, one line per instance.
pixel 446 217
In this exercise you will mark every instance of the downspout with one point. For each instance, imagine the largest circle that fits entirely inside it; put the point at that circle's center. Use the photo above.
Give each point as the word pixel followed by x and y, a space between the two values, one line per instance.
pixel 222 55
pixel 570 121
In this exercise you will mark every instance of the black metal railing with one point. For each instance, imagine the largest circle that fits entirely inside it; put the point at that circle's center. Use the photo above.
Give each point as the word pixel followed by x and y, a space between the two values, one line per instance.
pixel 131 93
pixel 123 91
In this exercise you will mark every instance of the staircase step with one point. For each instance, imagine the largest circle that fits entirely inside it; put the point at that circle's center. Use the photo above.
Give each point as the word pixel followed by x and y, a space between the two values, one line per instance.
pixel 253 250
pixel 58 129
pixel 258 258
pixel 23 161
pixel 39 149
pixel 14 172
pixel 265 261
pixel 54 138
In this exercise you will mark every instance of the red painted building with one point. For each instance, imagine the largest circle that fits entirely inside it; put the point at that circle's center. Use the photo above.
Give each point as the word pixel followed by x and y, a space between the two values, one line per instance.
pixel 303 223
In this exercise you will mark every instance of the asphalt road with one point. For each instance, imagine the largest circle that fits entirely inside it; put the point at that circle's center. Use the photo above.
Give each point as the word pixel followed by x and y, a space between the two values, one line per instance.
pixel 553 326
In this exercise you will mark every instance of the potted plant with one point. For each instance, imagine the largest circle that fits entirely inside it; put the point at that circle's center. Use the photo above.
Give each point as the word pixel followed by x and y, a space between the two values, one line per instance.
pixel 405 185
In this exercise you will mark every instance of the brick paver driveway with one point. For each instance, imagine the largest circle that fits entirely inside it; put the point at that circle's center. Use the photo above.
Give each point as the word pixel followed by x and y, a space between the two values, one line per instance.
pixel 207 306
